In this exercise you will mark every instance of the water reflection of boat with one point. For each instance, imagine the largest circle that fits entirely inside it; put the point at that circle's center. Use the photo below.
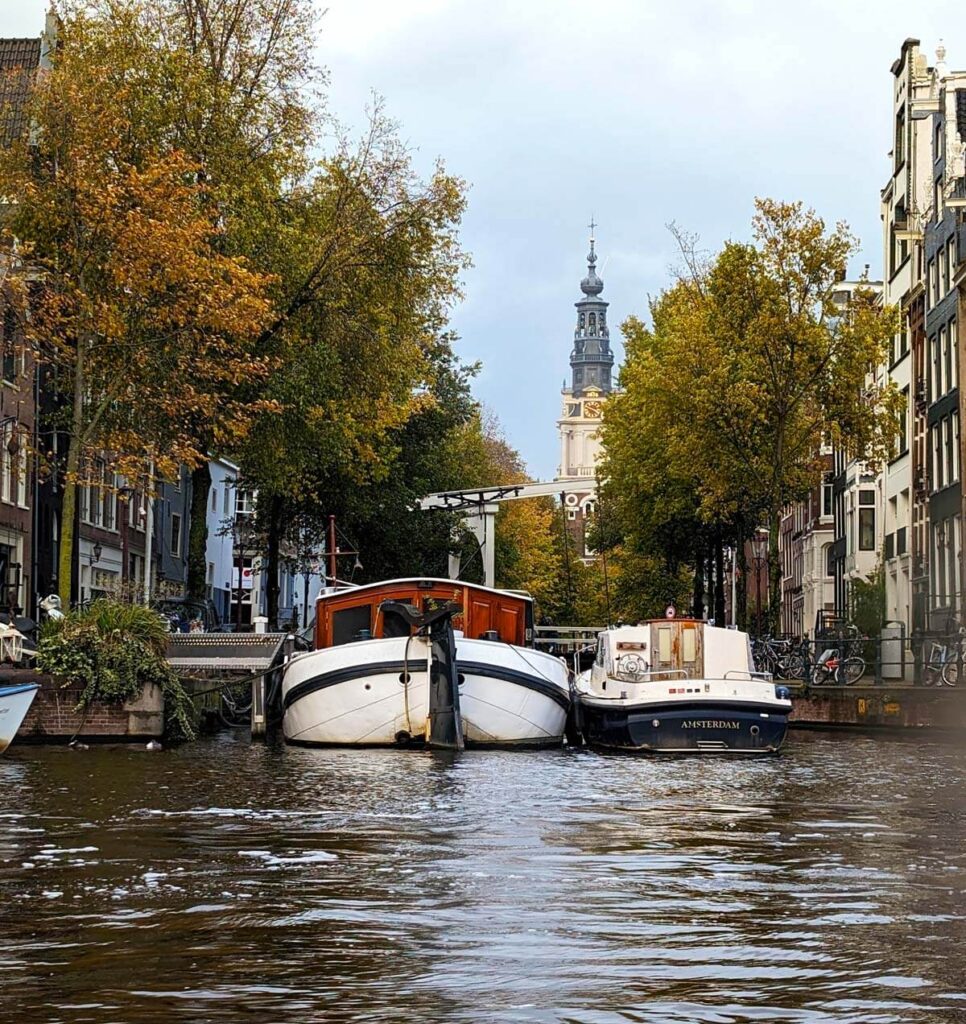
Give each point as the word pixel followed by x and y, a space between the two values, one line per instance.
pixel 370 679
pixel 679 686
pixel 15 702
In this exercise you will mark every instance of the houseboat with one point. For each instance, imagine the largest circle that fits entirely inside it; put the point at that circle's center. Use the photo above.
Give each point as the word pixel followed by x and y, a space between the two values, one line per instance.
pixel 679 686
pixel 371 679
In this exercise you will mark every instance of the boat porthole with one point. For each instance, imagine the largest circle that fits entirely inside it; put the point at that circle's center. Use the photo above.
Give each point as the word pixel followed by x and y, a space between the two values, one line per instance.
pixel 755 730
pixel 461 679
pixel 368 686
pixel 655 722
pixel 404 677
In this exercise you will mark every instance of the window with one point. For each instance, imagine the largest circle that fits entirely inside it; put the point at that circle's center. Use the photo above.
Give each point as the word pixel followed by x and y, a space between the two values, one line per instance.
pixel 571 513
pixel 9 344
pixel 950 260
pixel 109 500
pixel 244 502
pixel 93 501
pixel 935 384
pixel 900 143
pixel 946 369
pixel 937 457
pixel 930 269
pixel 867 520
pixel 937 153
pixel 902 440
pixel 214 498
pixel 955 446
pixel 175 534
pixel 937 198
pixel 6 462
pixel 827 495
pixel 211 580
pixel 225 504
pixel 954 353
pixel 866 529
pixel 22 475
pixel 592 323
pixel 942 273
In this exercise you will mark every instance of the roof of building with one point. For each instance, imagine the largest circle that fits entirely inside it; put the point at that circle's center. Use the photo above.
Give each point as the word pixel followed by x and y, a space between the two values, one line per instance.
pixel 19 60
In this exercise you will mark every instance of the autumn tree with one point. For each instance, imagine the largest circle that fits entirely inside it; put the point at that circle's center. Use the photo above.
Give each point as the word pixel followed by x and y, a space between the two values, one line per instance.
pixel 145 317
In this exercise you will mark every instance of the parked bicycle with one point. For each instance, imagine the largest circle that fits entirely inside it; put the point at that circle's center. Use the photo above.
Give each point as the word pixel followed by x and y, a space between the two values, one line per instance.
pixel 836 667
pixel 783 657
pixel 942 668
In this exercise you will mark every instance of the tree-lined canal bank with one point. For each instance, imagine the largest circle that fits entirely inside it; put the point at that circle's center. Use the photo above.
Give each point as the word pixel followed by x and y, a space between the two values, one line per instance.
pixel 224 881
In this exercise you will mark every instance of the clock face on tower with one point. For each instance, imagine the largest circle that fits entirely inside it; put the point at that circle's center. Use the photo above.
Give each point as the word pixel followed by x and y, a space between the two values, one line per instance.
pixel 593 410
pixel 573 409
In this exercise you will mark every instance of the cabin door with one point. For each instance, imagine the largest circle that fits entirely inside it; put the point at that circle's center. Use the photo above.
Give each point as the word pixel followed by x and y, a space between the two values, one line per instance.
pixel 677 645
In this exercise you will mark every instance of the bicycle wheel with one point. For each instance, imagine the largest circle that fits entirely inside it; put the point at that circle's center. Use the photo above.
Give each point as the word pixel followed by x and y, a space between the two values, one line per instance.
pixel 950 673
pixel 820 675
pixel 931 674
pixel 852 669
pixel 794 666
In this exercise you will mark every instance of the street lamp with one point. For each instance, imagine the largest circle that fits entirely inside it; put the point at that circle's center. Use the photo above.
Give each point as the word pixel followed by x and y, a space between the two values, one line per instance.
pixel 95 555
pixel 759 551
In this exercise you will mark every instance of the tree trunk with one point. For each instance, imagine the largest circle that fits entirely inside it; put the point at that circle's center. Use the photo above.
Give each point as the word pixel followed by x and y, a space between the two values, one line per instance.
pixel 697 598
pixel 68 513
pixel 276 508
pixel 719 583
pixel 68 519
pixel 198 533
pixel 741 583
pixel 774 574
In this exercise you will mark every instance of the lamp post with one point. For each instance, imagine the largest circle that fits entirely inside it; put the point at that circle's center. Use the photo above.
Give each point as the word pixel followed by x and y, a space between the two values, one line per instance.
pixel 124 493
pixel 759 550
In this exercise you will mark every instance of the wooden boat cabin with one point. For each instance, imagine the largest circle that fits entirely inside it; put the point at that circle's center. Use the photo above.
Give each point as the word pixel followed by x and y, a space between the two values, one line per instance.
pixel 345 616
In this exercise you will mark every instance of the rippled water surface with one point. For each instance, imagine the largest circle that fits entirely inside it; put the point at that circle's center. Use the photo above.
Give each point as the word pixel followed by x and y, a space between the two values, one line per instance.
pixel 229 882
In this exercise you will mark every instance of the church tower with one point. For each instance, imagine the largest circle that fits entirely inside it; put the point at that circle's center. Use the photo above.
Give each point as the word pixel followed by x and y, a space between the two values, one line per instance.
pixel 591 382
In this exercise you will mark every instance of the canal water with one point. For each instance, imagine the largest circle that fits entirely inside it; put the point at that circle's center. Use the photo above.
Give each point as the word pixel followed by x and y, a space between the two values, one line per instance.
pixel 228 882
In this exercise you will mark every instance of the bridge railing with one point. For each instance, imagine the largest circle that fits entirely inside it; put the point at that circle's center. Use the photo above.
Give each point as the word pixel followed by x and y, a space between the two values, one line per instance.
pixel 566 639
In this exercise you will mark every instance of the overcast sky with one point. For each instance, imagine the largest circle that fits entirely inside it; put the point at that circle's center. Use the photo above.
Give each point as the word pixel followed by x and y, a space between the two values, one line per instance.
pixel 636 111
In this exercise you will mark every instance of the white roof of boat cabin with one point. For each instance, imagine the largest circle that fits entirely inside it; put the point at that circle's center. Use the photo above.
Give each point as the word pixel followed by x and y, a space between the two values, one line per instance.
pixel 411 580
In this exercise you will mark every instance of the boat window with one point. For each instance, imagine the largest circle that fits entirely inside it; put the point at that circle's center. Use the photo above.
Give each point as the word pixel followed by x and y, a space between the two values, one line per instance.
pixel 348 623
pixel 688 646
pixel 664 643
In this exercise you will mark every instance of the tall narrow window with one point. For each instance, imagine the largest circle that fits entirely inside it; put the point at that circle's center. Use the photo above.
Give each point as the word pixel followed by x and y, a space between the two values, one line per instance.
pixel 22 472
pixel 900 141
pixel 867 520
pixel 948 444
pixel 175 534
pixel 945 368
pixel 6 462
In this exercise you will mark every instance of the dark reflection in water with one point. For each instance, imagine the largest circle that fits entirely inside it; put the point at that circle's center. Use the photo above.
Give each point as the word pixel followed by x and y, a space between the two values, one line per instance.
pixel 228 882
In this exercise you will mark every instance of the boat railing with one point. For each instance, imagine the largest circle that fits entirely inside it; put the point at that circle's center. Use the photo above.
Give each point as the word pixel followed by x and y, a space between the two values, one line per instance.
pixel 647 675
pixel 743 673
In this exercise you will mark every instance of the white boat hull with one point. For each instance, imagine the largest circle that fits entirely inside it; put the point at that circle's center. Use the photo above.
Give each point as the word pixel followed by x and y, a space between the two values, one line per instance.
pixel 376 693
pixel 15 702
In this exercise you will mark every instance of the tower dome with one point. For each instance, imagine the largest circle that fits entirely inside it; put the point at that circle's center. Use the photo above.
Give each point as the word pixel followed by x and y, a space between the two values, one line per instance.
pixel 592 284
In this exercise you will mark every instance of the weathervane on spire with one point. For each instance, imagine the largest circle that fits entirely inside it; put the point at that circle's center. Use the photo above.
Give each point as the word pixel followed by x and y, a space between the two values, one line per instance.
pixel 592 257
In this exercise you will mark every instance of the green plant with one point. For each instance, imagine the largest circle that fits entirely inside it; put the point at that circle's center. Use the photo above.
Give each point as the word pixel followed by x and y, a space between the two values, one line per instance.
pixel 113 650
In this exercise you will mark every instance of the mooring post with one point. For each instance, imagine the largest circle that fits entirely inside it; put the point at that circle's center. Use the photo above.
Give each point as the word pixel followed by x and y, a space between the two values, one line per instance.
pixel 445 722
pixel 258 707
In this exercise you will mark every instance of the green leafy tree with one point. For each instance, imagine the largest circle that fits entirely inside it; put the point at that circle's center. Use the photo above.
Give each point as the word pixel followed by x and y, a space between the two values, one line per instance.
pixel 751 365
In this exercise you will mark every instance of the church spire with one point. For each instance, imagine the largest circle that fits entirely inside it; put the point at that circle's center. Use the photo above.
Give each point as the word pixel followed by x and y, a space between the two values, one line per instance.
pixel 591 360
